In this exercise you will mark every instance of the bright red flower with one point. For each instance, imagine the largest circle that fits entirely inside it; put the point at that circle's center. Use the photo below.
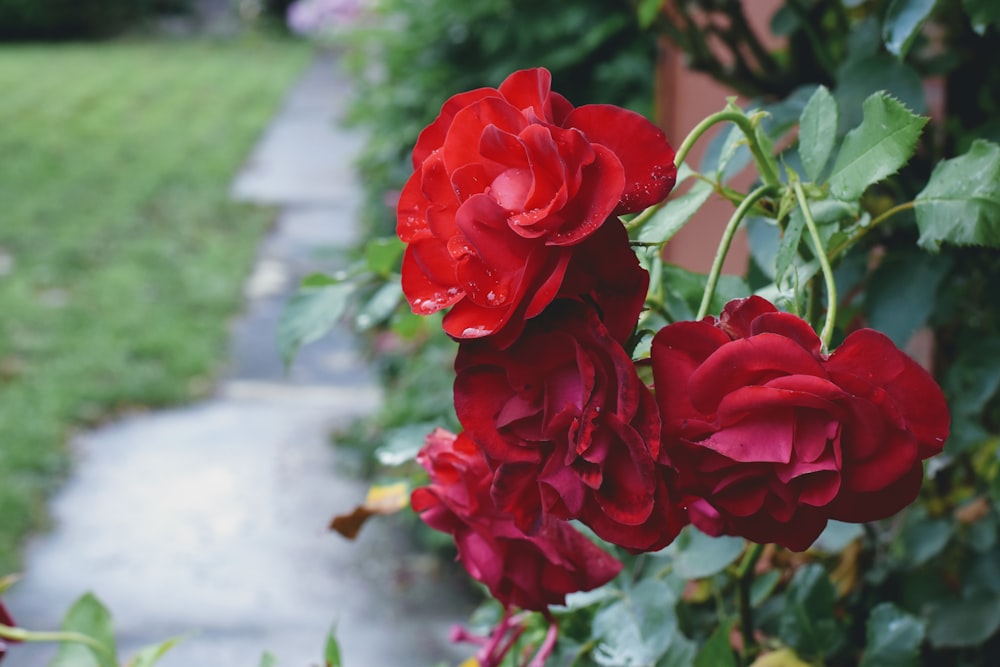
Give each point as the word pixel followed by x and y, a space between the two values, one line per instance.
pixel 506 181
pixel 569 428
pixel 771 437
pixel 520 570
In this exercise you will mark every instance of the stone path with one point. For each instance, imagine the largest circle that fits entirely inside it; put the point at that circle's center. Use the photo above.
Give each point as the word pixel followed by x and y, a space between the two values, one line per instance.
pixel 209 520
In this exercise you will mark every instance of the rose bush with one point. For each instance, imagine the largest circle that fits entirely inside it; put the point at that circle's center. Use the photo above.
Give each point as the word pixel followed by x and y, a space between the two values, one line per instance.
pixel 506 181
pixel 569 428
pixel 770 437
pixel 530 571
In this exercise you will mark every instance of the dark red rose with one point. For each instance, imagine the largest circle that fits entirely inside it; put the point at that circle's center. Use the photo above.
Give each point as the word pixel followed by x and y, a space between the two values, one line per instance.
pixel 506 181
pixel 520 570
pixel 569 428
pixel 771 437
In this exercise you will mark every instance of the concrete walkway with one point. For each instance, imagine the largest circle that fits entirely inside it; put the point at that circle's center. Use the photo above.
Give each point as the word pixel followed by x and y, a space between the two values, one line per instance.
pixel 209 520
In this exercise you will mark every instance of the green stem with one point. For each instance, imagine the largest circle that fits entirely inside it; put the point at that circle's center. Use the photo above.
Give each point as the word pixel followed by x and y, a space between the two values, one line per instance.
pixel 765 163
pixel 22 635
pixel 725 242
pixel 744 578
pixel 831 286
pixel 879 219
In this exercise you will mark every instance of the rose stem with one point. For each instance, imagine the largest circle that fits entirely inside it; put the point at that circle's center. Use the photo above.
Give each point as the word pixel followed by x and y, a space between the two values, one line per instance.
pixel 744 578
pixel 726 241
pixel 831 286
pixel 765 163
pixel 21 635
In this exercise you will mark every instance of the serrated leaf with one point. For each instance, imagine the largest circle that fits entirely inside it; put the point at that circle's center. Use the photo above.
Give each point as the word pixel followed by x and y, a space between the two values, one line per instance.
pixel 310 314
pixel 961 203
pixel 697 555
pixel 861 76
pixel 807 623
pixel 957 623
pixel 894 638
pixel 902 23
pixel 877 148
pixel 668 220
pixel 88 617
pixel 717 652
pixel 818 132
pixel 636 630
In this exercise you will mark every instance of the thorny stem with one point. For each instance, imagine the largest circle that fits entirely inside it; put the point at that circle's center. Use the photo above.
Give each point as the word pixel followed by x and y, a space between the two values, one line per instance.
pixel 831 287
pixel 726 241
pixel 744 579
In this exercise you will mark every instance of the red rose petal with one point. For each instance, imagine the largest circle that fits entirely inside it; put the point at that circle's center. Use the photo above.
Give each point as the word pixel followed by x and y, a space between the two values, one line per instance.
pixel 640 146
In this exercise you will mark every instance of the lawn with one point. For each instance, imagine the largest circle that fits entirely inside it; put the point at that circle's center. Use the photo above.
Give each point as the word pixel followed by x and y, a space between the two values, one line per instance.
pixel 121 256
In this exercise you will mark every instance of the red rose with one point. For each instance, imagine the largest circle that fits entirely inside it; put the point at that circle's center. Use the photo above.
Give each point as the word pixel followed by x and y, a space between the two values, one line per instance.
pixel 569 429
pixel 526 571
pixel 505 182
pixel 771 437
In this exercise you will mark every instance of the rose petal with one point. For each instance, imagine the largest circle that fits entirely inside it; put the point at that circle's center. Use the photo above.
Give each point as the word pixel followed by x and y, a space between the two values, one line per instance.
pixel 641 147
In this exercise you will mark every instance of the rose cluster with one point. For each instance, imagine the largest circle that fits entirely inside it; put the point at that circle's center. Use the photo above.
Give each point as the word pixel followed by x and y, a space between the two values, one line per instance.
pixel 511 222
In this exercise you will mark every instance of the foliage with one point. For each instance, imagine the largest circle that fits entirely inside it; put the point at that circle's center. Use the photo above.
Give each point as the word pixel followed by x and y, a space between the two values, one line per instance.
pixel 122 253
pixel 896 154
pixel 81 19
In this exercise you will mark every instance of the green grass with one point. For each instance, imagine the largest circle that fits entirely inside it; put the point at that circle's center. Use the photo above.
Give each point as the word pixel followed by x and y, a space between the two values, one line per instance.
pixel 121 257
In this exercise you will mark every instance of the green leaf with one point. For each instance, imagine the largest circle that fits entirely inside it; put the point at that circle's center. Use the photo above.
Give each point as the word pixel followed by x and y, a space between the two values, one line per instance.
pixel 331 653
pixel 923 538
pixel 382 255
pixel 902 24
pixel 788 246
pixel 901 293
pixel 312 313
pixel 381 305
pixel 894 638
pixel 837 535
pixel 88 617
pixel 697 555
pixel 150 655
pixel 957 623
pixel 863 75
pixel 668 220
pixel 807 623
pixel 763 585
pixel 982 13
pixel 648 11
pixel 961 203
pixel 817 132
pixel 717 652
pixel 636 630
pixel 400 445
pixel 877 148
pixel 267 660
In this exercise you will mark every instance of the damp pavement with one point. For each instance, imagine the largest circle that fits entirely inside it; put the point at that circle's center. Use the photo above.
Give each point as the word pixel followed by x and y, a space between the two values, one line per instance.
pixel 209 521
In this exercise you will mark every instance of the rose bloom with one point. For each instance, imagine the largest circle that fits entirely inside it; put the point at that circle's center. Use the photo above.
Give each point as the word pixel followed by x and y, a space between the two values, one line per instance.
pixel 569 428
pixel 770 437
pixel 520 570
pixel 506 181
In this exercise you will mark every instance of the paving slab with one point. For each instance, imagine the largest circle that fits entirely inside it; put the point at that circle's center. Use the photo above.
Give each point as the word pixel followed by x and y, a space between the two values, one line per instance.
pixel 209 520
